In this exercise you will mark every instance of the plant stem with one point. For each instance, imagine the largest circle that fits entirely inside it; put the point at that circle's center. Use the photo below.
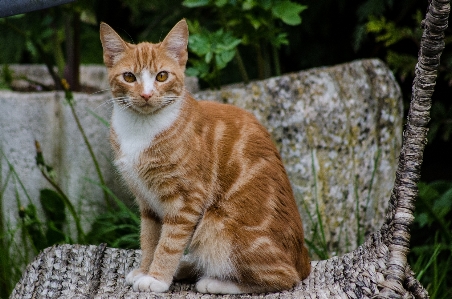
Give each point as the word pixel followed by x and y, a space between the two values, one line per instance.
pixel 70 100
pixel 67 202
pixel 71 72
pixel 443 225
pixel 241 66
pixel 276 61
pixel 260 62
pixel 322 241
pixel 58 53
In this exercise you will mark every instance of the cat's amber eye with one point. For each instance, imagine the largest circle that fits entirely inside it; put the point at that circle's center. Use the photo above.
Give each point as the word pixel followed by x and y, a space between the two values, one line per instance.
pixel 129 77
pixel 162 76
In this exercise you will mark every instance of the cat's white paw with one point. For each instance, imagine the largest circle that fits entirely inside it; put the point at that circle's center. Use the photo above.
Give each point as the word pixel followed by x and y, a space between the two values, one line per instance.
pixel 149 283
pixel 215 286
pixel 133 276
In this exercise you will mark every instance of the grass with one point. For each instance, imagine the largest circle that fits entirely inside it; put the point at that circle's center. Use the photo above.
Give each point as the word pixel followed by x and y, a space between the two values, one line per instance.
pixel 431 239
pixel 317 243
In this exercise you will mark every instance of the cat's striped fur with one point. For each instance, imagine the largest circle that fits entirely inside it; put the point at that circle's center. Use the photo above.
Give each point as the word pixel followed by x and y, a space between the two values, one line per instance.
pixel 206 176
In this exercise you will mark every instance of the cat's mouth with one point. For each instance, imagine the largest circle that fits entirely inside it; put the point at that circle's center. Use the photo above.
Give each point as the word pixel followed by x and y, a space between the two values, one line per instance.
pixel 151 106
pixel 148 107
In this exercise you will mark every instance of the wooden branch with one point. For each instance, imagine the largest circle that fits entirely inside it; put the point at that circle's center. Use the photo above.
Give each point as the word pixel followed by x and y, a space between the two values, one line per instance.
pixel 401 205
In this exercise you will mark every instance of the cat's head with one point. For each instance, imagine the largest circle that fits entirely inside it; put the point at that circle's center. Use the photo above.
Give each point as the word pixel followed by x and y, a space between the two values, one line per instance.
pixel 146 77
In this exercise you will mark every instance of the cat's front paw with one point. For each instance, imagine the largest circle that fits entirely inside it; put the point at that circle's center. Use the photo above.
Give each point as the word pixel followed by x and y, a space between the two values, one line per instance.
pixel 149 283
pixel 133 276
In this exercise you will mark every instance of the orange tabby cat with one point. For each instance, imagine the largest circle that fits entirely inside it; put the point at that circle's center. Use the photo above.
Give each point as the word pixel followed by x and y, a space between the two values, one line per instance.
pixel 207 178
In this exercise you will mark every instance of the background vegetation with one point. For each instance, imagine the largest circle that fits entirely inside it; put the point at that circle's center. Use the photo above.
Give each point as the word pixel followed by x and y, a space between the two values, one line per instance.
pixel 232 41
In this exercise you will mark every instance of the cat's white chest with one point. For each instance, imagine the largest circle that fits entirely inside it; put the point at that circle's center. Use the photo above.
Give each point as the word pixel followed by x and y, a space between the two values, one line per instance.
pixel 135 133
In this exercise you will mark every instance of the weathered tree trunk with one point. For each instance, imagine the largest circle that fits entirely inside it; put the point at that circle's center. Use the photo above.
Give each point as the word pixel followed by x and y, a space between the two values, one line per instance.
pixel 401 204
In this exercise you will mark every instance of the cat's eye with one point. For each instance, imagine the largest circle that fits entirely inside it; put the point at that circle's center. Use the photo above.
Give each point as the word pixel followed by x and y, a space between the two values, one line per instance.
pixel 162 76
pixel 129 77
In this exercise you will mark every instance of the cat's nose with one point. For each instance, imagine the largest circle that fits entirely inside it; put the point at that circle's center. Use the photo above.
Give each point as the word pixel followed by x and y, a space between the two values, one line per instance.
pixel 146 96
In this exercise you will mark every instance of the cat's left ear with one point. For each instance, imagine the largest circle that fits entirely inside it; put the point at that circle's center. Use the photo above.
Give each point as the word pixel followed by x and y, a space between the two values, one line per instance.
pixel 175 43
pixel 113 45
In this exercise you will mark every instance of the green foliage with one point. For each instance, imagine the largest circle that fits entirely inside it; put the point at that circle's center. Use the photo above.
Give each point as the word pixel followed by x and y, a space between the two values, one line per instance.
pixel 435 206
pixel 401 64
pixel 287 11
pixel 118 227
pixel 400 44
pixel 431 254
pixel 441 126
pixel 6 77
pixel 259 24
pixel 42 36
pixel 214 50
pixel 52 37
pixel 388 33
pixel 48 231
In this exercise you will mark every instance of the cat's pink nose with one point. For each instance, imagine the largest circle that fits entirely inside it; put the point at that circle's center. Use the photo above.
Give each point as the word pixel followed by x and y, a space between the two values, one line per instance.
pixel 146 96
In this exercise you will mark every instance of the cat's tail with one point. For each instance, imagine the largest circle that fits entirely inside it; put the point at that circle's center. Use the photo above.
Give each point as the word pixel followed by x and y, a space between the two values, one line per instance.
pixel 304 264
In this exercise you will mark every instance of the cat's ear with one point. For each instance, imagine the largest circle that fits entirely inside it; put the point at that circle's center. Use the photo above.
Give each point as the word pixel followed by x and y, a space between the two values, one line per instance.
pixel 113 45
pixel 175 43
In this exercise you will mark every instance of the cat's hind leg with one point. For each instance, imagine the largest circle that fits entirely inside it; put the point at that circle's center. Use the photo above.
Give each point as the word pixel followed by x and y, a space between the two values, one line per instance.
pixel 217 286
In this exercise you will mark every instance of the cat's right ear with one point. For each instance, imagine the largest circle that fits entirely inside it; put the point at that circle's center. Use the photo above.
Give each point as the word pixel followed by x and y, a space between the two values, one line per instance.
pixel 113 45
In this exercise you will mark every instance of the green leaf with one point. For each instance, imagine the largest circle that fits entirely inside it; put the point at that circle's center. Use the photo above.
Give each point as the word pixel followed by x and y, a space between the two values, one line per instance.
pixel 191 72
pixel 33 228
pixel 288 12
pixel 199 44
pixel 54 234
pixel 266 4
pixel 280 39
pixel 223 58
pixel 208 57
pixel 53 206
pixel 248 4
pixel 221 3
pixel 99 118
pixel 227 44
pixel 443 205
pixel 200 67
pixel 422 219
pixel 195 3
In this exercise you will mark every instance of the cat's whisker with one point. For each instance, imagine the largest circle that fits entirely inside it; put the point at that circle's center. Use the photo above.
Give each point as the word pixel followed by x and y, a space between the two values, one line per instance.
pixel 110 101
pixel 104 103
pixel 125 106
pixel 102 90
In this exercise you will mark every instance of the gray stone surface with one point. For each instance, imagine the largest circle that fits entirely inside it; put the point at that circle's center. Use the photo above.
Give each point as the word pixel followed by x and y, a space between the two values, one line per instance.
pixel 338 129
